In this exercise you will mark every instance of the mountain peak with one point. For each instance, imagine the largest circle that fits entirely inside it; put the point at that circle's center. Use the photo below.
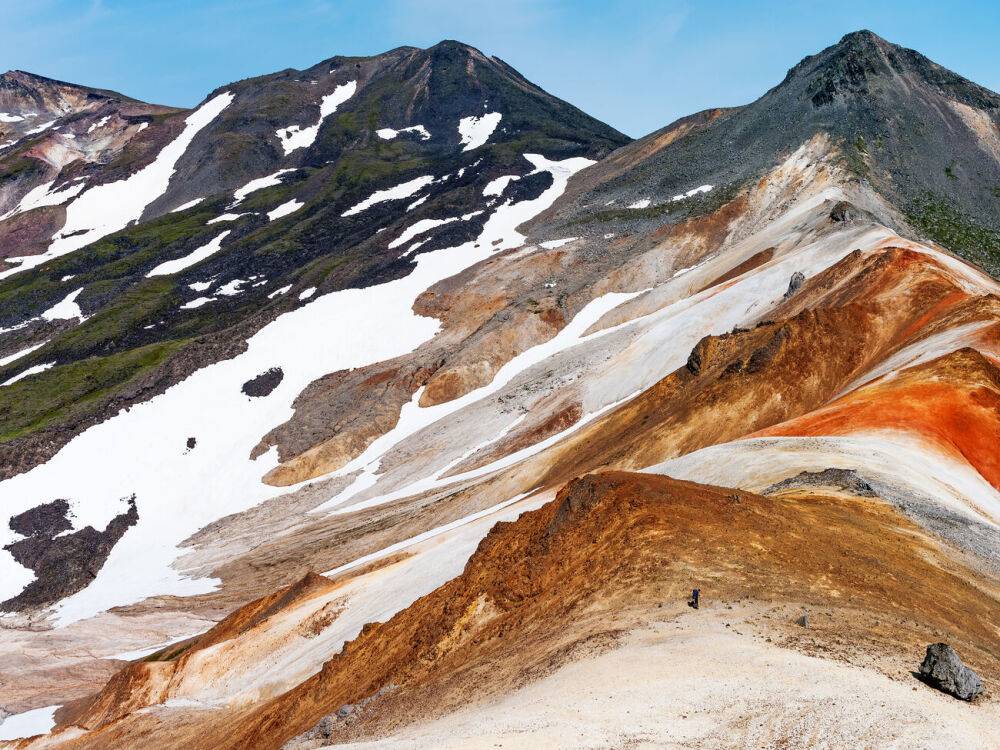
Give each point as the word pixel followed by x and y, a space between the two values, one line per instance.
pixel 864 63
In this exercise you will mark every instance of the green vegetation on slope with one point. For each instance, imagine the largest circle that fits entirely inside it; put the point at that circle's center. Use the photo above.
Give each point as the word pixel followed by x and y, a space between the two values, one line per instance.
pixel 74 391
pixel 946 225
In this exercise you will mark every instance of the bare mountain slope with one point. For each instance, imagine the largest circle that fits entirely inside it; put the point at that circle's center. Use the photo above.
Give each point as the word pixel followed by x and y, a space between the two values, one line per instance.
pixel 448 474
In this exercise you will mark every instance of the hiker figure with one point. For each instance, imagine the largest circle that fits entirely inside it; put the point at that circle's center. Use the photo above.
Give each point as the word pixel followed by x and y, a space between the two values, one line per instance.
pixel 695 595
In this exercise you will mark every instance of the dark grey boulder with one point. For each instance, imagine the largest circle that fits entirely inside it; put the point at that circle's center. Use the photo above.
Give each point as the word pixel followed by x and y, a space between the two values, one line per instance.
pixel 795 283
pixel 943 669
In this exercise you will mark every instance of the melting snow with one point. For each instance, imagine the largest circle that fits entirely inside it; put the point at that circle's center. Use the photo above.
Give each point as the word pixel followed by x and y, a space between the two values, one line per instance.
pixel 644 203
pixel 475 131
pixel 307 293
pixel 30 371
pixel 40 196
pixel 6 117
pixel 67 309
pixel 388 134
pixel 497 186
pixel 104 209
pixel 405 190
pixel 417 202
pixel 284 209
pixel 278 292
pixel 28 723
pixel 197 303
pixel 694 191
pixel 258 184
pixel 553 244
pixel 17 355
pixel 186 206
pixel 179 264
pixel 294 136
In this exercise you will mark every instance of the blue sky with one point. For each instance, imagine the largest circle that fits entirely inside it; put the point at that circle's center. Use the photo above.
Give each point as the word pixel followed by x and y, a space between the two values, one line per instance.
pixel 636 65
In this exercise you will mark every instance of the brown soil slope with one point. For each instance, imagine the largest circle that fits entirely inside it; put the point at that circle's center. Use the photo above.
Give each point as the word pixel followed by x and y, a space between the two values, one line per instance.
pixel 612 546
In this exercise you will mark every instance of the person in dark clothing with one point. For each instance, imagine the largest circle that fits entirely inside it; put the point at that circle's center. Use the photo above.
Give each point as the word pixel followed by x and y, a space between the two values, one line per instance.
pixel 695 596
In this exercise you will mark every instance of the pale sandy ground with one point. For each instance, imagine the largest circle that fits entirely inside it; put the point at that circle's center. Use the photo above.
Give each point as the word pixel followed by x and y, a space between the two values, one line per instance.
pixel 694 683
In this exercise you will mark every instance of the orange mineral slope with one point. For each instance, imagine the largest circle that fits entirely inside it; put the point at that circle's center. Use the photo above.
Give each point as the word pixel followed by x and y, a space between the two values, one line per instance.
pixel 614 554
pixel 860 317
pixel 952 403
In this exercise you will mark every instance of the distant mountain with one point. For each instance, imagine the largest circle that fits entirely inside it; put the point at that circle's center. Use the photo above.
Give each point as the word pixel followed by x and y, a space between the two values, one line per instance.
pixel 114 189
pixel 921 135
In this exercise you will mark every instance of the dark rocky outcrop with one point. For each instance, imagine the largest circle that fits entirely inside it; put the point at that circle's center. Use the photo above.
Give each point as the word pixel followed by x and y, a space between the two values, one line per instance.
pixel 63 564
pixel 795 283
pixel 264 384
pixel 943 669
pixel 844 479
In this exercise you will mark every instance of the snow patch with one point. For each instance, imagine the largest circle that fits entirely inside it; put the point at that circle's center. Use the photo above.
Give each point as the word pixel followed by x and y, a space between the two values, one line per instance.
pixel 99 124
pixel 644 203
pixel 387 134
pixel 6 117
pixel 279 292
pixel 40 195
pixel 197 303
pixel 225 217
pixel 179 264
pixel 67 309
pixel 294 136
pixel 29 372
pixel 186 206
pixel 404 190
pixel 694 191
pixel 29 723
pixel 232 288
pixel 553 244
pixel 4 361
pixel 40 128
pixel 475 131
pixel 497 186
pixel 258 184
pixel 307 293
pixel 284 209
